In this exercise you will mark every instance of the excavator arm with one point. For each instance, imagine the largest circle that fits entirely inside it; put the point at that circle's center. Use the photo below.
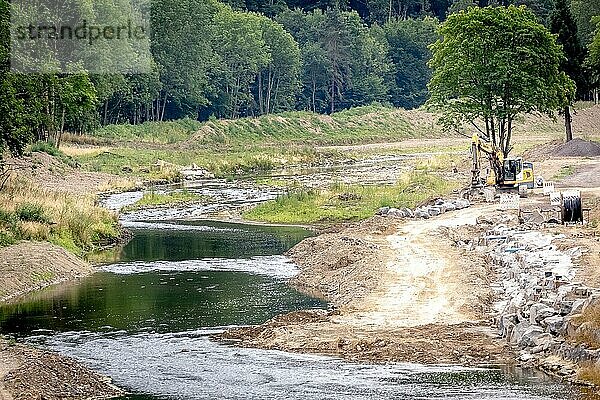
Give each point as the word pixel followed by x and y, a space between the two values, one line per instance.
pixel 479 150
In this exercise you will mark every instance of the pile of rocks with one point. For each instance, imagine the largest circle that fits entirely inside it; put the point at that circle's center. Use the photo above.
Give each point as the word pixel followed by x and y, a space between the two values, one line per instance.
pixel 538 299
pixel 438 207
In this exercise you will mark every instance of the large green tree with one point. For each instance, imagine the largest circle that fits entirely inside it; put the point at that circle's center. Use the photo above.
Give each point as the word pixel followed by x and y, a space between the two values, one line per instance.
pixel 493 64
pixel 409 42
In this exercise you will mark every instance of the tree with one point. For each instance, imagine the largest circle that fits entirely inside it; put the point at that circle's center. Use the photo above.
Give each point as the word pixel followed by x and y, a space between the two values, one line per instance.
pixel 459 5
pixel 584 12
pixel 594 59
pixel 493 64
pixel 182 49
pixel 277 83
pixel 409 42
pixel 239 42
pixel 563 25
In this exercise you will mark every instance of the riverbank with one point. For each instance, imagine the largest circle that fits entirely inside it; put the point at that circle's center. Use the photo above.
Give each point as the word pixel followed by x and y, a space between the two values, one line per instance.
pixel 27 373
pixel 445 290
pixel 30 266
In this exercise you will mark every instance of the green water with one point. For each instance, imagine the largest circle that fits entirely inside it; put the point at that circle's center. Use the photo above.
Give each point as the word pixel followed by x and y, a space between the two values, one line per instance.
pixel 207 239
pixel 171 295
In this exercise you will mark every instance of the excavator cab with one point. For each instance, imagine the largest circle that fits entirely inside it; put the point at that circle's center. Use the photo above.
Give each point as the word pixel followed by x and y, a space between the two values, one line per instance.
pixel 517 173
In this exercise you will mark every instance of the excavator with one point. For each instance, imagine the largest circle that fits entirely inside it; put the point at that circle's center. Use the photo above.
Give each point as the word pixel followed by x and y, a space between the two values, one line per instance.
pixel 504 173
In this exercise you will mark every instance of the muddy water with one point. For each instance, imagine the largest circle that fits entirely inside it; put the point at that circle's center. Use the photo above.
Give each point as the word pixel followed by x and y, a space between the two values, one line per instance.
pixel 145 320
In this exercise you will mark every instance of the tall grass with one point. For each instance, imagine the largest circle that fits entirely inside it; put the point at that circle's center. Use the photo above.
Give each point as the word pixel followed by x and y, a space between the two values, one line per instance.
pixel 28 212
pixel 153 132
pixel 342 202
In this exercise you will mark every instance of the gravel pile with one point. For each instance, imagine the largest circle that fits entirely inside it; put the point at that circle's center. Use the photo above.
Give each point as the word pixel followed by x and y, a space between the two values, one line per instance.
pixel 578 148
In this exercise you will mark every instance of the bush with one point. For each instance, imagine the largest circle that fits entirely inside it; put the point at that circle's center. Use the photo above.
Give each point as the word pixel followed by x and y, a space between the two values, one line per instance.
pixel 6 239
pixel 45 147
pixel 31 212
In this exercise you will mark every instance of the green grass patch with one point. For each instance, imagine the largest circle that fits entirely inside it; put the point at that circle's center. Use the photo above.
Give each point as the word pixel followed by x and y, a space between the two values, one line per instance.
pixel 150 132
pixel 564 172
pixel 375 123
pixel 349 202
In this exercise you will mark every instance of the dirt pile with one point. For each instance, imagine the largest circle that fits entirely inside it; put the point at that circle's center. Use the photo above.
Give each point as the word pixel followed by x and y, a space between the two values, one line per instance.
pixel 341 266
pixel 557 148
pixel 27 373
pixel 46 265
pixel 578 148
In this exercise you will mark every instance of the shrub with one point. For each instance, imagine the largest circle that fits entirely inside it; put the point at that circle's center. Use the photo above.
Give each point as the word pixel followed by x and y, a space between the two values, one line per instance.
pixel 31 212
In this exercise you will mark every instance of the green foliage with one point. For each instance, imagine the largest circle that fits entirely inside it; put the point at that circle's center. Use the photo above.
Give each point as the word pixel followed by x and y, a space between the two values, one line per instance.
pixel 409 42
pixel 6 239
pixel 32 212
pixel 594 57
pixel 494 64
pixel 563 25
pixel 349 202
pixel 584 12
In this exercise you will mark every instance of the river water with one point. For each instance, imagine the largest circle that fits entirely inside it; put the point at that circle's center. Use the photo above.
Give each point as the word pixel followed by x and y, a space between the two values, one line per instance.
pixel 146 318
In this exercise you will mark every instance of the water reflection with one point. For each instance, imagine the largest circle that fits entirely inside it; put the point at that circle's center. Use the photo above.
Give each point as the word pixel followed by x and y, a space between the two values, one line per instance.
pixel 194 240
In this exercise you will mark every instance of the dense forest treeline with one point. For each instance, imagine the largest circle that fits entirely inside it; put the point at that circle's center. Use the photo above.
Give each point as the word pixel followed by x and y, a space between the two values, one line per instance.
pixel 235 58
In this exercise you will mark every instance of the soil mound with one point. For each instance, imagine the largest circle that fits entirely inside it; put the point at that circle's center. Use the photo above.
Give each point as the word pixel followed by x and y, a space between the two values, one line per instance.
pixel 578 148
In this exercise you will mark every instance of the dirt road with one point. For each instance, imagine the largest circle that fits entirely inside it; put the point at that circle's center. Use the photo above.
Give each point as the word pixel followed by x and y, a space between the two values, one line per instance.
pixel 426 303
pixel 422 283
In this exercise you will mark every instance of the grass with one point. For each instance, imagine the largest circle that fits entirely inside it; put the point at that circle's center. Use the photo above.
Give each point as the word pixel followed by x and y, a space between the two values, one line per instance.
pixel 373 123
pixel 49 148
pixel 564 172
pixel 28 212
pixel 349 202
pixel 164 165
pixel 153 199
pixel 151 132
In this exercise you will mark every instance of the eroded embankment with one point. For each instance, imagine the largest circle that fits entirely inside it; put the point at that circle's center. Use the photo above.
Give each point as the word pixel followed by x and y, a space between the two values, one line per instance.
pixel 29 266
pixel 400 290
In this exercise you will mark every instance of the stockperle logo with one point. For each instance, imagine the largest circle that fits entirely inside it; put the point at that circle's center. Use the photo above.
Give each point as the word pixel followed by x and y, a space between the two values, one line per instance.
pixel 70 36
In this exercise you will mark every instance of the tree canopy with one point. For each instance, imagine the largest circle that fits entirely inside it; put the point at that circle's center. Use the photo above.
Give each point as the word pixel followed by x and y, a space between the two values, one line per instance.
pixel 493 64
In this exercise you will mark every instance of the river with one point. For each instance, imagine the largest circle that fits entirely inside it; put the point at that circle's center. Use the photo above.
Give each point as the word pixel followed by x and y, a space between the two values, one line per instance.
pixel 146 317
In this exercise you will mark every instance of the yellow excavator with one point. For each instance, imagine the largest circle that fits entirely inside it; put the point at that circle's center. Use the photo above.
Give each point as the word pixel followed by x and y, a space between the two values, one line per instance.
pixel 503 173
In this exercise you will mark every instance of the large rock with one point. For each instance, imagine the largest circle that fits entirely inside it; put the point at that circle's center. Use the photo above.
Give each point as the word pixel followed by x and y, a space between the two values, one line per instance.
pixel 554 324
pixel 530 336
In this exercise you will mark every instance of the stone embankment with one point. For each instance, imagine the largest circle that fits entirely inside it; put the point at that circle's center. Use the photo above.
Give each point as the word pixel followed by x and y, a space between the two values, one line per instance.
pixel 437 207
pixel 539 299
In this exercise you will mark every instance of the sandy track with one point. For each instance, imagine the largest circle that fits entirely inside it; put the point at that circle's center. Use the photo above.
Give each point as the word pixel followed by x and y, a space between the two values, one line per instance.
pixel 422 283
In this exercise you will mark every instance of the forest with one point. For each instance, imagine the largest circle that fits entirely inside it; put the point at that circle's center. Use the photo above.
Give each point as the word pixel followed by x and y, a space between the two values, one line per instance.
pixel 239 58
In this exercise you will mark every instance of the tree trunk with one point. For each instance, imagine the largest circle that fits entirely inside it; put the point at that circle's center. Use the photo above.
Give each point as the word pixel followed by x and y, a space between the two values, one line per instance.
pixel 162 114
pixel 568 121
